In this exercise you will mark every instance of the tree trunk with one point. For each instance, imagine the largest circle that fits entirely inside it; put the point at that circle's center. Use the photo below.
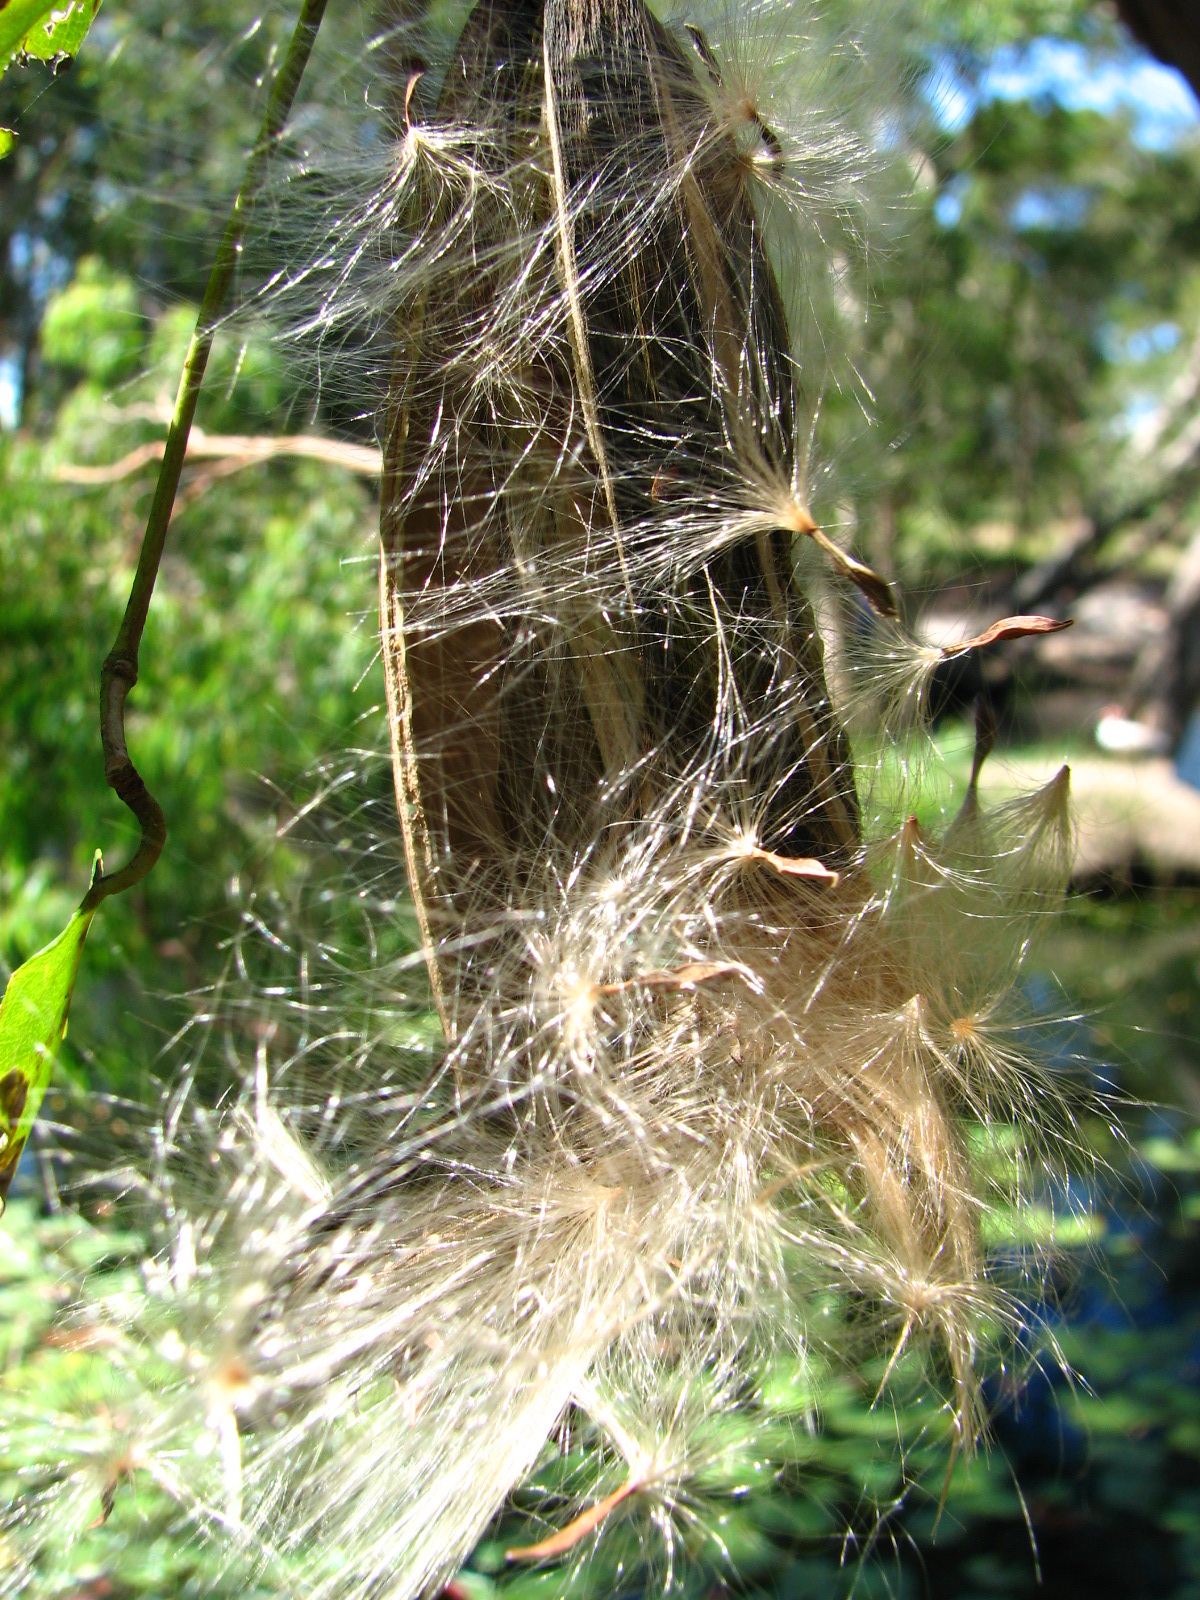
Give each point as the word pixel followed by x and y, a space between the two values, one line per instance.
pixel 1168 28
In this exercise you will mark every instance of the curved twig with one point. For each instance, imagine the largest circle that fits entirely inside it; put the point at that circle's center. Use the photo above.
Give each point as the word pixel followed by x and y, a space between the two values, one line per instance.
pixel 233 450
pixel 120 670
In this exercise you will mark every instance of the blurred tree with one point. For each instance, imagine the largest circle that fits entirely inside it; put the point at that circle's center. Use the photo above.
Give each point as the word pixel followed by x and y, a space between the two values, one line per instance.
pixel 134 156
pixel 1030 318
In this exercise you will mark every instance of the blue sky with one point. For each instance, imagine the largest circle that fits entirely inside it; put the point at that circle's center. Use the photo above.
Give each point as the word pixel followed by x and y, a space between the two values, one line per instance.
pixel 1159 100
pixel 10 393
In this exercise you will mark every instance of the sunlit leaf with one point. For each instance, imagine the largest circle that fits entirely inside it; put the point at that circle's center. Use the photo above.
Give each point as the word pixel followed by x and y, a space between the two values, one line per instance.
pixel 41 31
pixel 33 1019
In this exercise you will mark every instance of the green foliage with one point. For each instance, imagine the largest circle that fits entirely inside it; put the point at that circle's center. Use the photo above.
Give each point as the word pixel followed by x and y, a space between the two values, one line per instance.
pixel 1043 287
pixel 78 1378
pixel 95 325
pixel 66 1380
pixel 984 25
pixel 1134 966
pixel 801 1529
pixel 1110 1464
pixel 258 661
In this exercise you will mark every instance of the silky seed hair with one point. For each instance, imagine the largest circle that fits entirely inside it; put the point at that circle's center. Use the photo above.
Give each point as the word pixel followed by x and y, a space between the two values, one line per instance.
pixel 728 1038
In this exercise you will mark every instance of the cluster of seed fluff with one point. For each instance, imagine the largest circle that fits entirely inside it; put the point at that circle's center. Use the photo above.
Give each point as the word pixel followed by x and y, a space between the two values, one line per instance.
pixel 724 1027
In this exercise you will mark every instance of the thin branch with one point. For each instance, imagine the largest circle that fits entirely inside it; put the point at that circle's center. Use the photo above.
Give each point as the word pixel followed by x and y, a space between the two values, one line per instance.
pixel 237 449
pixel 120 670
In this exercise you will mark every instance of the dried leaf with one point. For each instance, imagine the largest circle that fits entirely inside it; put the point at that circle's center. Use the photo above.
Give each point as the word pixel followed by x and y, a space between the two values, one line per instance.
pixel 33 1019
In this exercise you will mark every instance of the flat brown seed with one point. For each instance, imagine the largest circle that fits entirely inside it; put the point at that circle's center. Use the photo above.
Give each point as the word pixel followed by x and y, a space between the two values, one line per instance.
pixel 557 1544
pixel 685 977
pixel 1007 628
pixel 877 590
pixel 796 866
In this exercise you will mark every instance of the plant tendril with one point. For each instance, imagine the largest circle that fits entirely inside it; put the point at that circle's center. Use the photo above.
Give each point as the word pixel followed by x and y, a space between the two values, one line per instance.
pixel 120 670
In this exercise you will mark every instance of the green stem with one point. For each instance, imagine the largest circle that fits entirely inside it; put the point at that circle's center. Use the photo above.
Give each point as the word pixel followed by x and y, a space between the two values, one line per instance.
pixel 120 670
pixel 16 20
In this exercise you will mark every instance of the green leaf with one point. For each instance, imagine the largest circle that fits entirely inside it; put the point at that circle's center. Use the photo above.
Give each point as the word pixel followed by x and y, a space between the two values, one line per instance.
pixel 43 31
pixel 17 19
pixel 33 1019
pixel 7 139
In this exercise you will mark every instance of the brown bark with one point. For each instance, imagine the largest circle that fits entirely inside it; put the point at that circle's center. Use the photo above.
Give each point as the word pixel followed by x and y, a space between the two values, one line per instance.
pixel 1165 687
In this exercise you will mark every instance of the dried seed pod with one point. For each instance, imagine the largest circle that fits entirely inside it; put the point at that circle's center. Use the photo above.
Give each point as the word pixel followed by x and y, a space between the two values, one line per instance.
pixel 578 687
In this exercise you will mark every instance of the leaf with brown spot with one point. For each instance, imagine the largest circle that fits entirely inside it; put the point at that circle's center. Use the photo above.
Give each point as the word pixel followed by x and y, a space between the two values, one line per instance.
pixel 40 30
pixel 33 1019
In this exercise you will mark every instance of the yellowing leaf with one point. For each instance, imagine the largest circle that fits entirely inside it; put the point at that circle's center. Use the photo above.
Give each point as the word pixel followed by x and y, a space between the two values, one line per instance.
pixel 33 1019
